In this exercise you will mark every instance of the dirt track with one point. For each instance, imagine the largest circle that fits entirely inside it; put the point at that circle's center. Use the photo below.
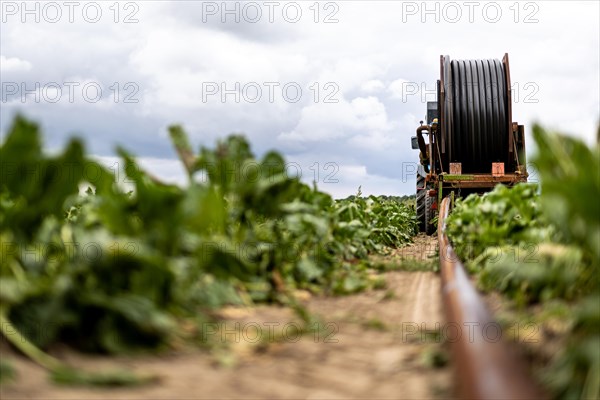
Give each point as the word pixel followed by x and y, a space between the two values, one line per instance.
pixel 372 346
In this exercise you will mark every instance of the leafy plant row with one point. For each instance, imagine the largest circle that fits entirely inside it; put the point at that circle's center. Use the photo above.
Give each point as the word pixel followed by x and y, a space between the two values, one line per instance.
pixel 118 268
pixel 543 252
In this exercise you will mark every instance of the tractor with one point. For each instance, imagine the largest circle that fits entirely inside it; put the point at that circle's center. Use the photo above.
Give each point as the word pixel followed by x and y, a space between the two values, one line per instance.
pixel 468 143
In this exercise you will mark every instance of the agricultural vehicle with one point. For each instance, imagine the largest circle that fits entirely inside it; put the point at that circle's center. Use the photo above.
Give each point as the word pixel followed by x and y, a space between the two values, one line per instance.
pixel 472 144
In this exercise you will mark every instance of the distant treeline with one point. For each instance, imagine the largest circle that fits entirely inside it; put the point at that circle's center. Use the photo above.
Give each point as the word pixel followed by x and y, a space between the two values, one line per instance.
pixel 400 199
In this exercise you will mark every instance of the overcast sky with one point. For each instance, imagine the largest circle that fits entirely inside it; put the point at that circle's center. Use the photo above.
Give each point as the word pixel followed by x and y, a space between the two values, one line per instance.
pixel 338 87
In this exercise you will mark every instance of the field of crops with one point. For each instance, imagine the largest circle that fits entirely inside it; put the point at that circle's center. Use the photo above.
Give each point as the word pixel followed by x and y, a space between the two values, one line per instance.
pixel 540 248
pixel 115 267
pixel 123 268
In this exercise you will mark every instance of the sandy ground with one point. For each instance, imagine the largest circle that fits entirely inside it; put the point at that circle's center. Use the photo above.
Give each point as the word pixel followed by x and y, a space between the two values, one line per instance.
pixel 372 345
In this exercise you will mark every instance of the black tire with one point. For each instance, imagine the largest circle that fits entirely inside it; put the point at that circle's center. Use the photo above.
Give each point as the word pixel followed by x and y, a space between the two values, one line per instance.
pixel 421 202
pixel 429 214
pixel 425 211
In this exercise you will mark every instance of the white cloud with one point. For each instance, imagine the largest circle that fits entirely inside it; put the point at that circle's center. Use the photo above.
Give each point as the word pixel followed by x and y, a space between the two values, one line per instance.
pixel 370 113
pixel 10 64
pixel 372 86
pixel 326 122
pixel 402 88
pixel 322 121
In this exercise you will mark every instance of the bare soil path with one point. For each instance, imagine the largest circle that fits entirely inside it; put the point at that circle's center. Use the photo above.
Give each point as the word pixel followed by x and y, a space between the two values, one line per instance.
pixel 373 345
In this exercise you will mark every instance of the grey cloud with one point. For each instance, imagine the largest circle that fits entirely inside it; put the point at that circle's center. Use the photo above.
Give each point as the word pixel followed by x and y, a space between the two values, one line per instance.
pixel 369 43
pixel 246 20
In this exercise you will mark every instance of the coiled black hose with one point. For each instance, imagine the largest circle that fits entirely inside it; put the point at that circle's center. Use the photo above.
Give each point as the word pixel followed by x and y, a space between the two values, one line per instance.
pixel 476 125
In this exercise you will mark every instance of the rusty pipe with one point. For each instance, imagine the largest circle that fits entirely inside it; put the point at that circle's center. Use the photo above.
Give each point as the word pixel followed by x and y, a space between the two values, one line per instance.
pixel 422 145
pixel 486 366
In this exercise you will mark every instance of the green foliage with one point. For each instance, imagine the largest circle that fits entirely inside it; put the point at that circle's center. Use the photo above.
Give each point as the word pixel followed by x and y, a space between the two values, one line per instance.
pixel 501 217
pixel 533 273
pixel 570 173
pixel 115 271
pixel 368 224
pixel 536 248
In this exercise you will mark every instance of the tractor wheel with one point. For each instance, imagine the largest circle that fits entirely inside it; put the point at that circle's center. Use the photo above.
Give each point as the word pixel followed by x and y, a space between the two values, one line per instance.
pixel 421 200
pixel 429 214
